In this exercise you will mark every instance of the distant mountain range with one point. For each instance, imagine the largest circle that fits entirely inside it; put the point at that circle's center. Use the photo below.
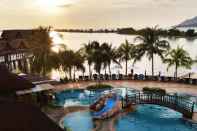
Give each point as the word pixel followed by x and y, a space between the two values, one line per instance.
pixel 189 23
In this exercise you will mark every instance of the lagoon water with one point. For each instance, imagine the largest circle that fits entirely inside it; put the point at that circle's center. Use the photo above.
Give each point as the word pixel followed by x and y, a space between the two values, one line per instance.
pixel 76 40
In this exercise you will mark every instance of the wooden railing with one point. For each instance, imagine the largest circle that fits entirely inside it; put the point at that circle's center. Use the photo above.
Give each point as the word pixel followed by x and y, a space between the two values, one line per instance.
pixel 174 102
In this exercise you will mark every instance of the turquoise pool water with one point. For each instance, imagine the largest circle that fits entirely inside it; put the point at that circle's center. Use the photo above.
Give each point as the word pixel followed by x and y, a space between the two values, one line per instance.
pixel 85 97
pixel 145 118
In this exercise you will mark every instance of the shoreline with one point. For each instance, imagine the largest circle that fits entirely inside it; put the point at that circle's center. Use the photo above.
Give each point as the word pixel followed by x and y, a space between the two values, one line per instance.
pixel 130 34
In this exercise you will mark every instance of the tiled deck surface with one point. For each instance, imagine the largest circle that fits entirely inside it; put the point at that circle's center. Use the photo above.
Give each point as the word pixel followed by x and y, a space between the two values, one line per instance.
pixel 195 117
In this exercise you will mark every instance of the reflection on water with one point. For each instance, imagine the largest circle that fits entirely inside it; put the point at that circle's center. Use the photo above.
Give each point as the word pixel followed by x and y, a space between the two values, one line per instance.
pixel 86 123
pixel 76 40
pixel 145 118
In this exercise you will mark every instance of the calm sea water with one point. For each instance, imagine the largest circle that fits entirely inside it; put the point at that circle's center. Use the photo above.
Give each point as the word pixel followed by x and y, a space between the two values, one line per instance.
pixel 76 40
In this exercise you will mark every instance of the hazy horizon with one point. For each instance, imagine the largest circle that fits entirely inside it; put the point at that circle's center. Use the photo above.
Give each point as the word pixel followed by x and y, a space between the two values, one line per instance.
pixel 23 14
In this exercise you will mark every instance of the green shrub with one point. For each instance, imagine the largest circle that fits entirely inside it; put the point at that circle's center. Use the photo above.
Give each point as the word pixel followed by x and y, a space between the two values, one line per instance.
pixel 64 80
pixel 158 91
pixel 99 86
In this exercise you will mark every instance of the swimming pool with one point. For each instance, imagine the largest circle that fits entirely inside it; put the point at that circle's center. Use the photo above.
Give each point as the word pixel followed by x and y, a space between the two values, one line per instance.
pixel 145 118
pixel 84 97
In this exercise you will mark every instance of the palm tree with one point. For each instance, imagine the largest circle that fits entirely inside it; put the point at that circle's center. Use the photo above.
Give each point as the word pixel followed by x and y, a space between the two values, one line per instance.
pixel 67 61
pixel 88 53
pixel 78 62
pixel 97 56
pixel 180 58
pixel 43 59
pixel 110 54
pixel 71 61
pixel 151 45
pixel 126 52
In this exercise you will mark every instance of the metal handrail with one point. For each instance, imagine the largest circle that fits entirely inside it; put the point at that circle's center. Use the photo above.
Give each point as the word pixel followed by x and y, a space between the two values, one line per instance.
pixel 175 102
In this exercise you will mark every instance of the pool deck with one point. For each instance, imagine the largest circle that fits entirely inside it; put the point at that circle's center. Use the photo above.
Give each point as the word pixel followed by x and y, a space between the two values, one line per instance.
pixel 168 86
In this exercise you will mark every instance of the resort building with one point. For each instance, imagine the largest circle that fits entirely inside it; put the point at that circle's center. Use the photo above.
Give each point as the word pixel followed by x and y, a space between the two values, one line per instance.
pixel 20 101
pixel 15 50
pixel 24 89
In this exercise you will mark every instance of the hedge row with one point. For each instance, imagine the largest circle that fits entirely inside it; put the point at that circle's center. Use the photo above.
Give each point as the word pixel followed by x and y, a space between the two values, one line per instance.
pixel 99 86
pixel 154 91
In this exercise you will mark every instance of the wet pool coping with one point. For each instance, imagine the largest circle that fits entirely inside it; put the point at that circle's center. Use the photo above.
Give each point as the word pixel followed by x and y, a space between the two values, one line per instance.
pixel 57 114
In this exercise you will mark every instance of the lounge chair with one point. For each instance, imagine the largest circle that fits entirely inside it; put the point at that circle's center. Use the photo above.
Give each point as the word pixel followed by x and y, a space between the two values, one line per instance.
pixel 194 81
pixel 141 77
pixel 106 77
pixel 86 78
pixel 114 77
pixel 135 76
pixel 120 76
pixel 130 77
pixel 95 76
pixel 101 77
pixel 80 78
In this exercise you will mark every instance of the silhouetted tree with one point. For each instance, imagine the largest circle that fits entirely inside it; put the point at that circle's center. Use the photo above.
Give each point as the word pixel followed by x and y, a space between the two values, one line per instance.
pixel 151 45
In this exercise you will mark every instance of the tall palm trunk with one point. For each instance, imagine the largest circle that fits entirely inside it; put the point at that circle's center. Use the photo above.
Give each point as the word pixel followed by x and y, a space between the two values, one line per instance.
pixel 126 66
pixel 45 65
pixel 109 67
pixel 74 73
pixel 152 65
pixel 99 75
pixel 70 73
pixel 176 71
pixel 44 72
pixel 90 72
pixel 83 73
pixel 25 66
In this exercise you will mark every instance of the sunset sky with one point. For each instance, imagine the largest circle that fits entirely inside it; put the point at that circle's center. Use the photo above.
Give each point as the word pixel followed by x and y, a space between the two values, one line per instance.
pixel 94 13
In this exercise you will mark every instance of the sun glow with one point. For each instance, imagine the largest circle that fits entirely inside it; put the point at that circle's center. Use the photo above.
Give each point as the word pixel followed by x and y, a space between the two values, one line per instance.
pixel 56 37
pixel 54 5
pixel 57 41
